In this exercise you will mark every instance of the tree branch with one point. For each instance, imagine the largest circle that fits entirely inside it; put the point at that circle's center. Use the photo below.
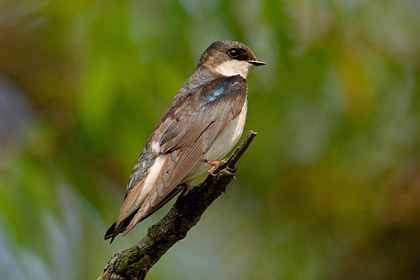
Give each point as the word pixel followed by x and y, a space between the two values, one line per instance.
pixel 135 262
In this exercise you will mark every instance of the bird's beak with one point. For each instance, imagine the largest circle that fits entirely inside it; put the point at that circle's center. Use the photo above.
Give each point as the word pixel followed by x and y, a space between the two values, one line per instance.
pixel 256 62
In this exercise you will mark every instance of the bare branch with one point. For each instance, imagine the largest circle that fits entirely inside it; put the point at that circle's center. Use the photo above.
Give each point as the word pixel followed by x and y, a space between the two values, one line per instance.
pixel 135 262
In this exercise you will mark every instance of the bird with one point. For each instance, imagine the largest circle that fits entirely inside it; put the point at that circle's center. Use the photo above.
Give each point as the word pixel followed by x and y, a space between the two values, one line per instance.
pixel 203 122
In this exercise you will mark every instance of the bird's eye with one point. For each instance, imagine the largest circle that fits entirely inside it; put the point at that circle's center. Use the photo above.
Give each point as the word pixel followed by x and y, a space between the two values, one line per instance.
pixel 234 53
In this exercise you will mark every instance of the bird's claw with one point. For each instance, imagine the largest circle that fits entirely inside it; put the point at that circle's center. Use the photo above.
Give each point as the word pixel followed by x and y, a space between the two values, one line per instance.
pixel 213 163
pixel 186 190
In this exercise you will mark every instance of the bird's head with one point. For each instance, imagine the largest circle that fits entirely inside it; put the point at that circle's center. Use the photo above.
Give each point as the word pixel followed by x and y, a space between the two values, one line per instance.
pixel 229 58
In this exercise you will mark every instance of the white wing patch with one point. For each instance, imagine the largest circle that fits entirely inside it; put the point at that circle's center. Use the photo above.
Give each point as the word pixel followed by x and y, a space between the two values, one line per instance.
pixel 156 146
pixel 151 178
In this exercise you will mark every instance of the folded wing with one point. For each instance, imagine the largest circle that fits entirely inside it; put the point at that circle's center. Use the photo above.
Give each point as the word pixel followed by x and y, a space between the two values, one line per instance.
pixel 186 132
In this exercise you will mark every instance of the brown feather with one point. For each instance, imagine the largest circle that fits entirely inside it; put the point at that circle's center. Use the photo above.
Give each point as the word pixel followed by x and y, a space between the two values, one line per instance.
pixel 186 132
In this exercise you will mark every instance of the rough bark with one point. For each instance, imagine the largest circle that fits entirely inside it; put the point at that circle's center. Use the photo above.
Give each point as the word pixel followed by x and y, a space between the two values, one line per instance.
pixel 135 262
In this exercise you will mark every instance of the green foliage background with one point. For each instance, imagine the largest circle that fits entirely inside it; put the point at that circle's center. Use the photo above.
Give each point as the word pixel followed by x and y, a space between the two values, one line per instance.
pixel 330 189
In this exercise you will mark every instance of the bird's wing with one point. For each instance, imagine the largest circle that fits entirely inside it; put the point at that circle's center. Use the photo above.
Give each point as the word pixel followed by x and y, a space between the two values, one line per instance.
pixel 189 130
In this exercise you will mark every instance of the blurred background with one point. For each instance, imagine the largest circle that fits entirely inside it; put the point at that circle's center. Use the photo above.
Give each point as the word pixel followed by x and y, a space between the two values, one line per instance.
pixel 330 188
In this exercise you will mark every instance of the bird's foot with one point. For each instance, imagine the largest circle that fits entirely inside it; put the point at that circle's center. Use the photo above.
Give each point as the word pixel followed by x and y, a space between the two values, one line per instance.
pixel 186 190
pixel 213 163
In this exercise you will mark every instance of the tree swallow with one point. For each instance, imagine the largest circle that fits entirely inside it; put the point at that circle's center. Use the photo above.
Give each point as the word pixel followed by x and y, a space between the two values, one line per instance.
pixel 202 124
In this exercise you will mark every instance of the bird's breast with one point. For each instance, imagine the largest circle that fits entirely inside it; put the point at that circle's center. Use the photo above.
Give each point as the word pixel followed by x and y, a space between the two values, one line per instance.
pixel 222 145
pixel 229 137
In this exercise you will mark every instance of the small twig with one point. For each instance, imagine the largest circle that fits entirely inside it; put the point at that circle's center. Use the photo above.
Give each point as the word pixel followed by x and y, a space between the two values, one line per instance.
pixel 135 262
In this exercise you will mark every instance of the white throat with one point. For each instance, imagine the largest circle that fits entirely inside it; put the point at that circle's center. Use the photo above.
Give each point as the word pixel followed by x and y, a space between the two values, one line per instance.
pixel 234 67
